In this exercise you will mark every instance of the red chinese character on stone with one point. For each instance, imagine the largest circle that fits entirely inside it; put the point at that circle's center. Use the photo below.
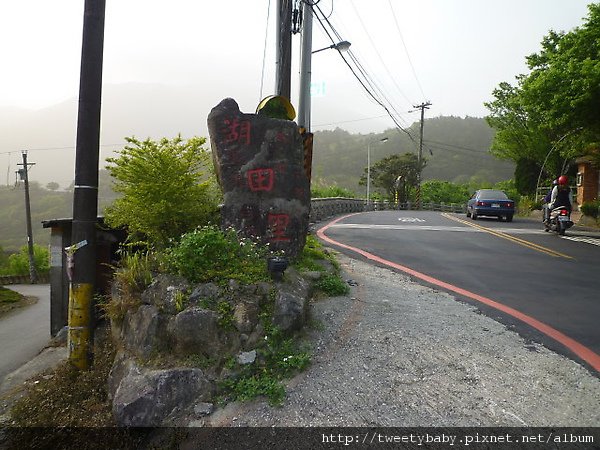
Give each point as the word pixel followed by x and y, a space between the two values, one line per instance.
pixel 236 131
pixel 278 224
pixel 260 179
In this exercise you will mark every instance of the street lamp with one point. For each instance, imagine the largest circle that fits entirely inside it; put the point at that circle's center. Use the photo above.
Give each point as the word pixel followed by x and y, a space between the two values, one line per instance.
pixel 369 169
pixel 341 46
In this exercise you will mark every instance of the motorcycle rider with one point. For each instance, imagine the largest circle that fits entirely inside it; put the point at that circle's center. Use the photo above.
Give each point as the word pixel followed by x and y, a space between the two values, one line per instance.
pixel 546 202
pixel 561 195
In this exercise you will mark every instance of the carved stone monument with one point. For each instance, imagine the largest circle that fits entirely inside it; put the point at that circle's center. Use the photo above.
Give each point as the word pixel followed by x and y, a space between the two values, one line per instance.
pixel 259 163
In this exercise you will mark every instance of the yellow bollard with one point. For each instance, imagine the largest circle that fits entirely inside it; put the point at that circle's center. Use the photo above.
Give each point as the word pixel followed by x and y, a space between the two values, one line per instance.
pixel 78 338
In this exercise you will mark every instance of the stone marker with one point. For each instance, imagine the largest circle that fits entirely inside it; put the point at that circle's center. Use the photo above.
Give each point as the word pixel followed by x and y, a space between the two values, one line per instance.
pixel 259 163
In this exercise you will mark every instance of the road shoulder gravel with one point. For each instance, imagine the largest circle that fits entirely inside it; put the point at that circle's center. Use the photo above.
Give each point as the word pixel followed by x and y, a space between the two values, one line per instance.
pixel 397 354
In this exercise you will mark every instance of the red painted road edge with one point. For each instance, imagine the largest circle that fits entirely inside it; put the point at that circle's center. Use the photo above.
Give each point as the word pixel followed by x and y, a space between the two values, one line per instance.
pixel 586 354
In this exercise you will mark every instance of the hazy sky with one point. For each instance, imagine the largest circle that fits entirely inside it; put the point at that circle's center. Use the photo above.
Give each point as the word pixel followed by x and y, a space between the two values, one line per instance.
pixel 460 50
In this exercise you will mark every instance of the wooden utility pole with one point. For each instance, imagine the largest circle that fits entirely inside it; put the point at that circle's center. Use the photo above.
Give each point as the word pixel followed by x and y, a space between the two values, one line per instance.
pixel 24 172
pixel 422 107
pixel 283 61
pixel 85 199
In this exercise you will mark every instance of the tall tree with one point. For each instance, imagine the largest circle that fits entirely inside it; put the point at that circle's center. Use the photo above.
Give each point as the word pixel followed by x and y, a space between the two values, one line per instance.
pixel 552 113
pixel 386 173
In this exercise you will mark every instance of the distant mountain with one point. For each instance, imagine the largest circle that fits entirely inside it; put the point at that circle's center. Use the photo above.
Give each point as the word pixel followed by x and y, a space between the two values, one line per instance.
pixel 456 149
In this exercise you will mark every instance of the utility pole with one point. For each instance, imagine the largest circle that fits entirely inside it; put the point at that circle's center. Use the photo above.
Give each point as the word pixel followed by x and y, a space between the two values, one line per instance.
pixel 283 61
pixel 304 100
pixel 422 107
pixel 85 201
pixel 24 173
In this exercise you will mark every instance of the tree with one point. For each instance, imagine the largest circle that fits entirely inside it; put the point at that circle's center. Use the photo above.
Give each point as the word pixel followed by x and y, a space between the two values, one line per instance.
pixel 555 106
pixel 166 189
pixel 52 186
pixel 386 172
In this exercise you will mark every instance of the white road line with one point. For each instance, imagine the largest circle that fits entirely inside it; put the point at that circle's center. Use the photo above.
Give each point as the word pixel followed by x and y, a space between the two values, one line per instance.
pixel 432 228
pixel 587 240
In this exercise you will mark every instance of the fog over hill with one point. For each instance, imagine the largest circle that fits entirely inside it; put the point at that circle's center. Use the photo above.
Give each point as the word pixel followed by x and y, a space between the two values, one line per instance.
pixel 133 109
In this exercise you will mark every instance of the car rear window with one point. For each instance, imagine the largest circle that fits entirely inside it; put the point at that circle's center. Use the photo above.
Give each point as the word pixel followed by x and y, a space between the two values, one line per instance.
pixel 492 195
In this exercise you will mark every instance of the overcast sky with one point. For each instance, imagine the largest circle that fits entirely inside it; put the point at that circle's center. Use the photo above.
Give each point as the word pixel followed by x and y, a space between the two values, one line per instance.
pixel 452 53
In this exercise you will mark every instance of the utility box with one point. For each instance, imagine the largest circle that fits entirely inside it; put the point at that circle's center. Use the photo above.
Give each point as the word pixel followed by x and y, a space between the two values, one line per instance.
pixel 107 244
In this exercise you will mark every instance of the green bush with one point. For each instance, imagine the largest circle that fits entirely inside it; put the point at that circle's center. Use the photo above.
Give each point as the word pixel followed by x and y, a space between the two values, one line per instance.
pixel 591 208
pixel 331 191
pixel 166 189
pixel 209 254
pixel 18 263
pixel 332 285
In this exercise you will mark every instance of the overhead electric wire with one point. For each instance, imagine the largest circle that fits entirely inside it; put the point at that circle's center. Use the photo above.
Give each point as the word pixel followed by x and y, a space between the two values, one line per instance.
pixel 262 76
pixel 359 67
pixel 379 54
pixel 406 49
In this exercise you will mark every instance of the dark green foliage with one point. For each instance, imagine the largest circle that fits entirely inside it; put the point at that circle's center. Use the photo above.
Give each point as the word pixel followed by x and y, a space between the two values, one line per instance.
pixel 526 175
pixel 436 191
pixel 591 208
pixel 551 115
pixel 457 150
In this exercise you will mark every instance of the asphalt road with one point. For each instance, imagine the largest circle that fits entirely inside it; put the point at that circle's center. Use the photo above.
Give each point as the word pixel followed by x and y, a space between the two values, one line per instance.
pixel 24 332
pixel 551 279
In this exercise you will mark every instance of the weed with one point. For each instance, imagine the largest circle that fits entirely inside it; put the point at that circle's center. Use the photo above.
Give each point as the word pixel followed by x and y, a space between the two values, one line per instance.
pixel 181 300
pixel 332 285
pixel 209 254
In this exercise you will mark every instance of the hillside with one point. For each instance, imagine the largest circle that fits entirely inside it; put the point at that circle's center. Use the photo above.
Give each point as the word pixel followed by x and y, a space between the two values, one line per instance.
pixel 456 150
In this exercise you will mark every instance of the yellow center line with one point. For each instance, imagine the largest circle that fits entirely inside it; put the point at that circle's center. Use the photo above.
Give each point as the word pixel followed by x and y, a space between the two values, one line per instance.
pixel 517 240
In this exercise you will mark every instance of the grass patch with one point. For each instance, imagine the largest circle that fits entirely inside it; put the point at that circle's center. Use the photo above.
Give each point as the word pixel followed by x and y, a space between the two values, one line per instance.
pixel 278 359
pixel 8 296
pixel 332 285
pixel 10 300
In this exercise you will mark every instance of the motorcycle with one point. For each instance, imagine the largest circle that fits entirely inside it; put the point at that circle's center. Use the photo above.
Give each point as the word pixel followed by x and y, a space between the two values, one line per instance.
pixel 560 220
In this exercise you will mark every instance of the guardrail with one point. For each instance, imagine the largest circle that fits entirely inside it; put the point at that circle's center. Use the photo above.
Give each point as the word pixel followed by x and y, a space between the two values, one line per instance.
pixel 323 208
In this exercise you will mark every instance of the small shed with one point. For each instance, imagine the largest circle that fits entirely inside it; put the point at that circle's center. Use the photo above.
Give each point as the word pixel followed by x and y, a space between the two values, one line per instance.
pixel 107 244
pixel 588 181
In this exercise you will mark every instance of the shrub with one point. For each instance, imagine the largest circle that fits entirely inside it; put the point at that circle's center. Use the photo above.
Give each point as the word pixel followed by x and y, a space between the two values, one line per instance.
pixel 166 189
pixel 591 208
pixel 18 263
pixel 331 191
pixel 209 254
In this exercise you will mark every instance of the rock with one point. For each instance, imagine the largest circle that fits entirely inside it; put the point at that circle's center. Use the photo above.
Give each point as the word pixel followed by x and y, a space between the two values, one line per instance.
pixel 197 330
pixel 291 303
pixel 205 291
pixel 203 409
pixel 165 293
pixel 144 331
pixel 259 164
pixel 246 358
pixel 245 316
pixel 313 275
pixel 144 398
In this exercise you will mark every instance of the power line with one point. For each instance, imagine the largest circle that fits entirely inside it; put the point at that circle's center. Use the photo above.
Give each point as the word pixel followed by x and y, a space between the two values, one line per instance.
pixel 362 82
pixel 405 48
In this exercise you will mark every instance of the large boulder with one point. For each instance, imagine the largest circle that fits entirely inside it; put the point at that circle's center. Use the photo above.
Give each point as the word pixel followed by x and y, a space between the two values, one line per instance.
pixel 144 331
pixel 291 302
pixel 197 331
pixel 144 398
pixel 165 292
pixel 259 164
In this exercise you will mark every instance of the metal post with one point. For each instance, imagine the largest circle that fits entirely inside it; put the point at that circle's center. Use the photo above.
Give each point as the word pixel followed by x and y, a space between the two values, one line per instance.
pixel 368 174
pixel 32 272
pixel 304 100
pixel 85 201
pixel 422 107
pixel 283 61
